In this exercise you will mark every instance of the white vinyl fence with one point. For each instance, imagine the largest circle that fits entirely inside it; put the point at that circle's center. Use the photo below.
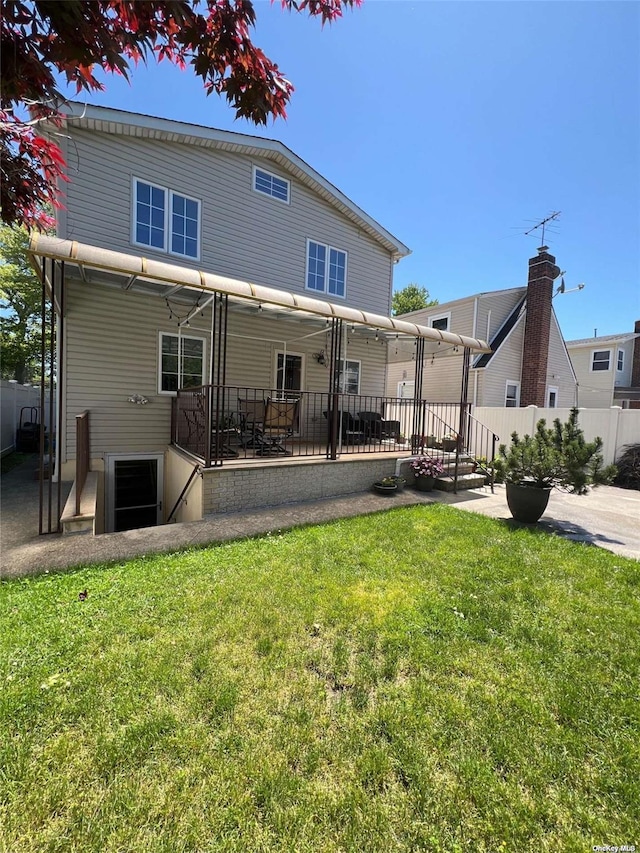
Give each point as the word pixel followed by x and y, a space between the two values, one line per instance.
pixel 13 398
pixel 616 427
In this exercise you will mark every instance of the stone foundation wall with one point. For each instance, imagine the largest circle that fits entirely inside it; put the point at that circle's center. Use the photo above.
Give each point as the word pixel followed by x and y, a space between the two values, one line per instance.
pixel 233 489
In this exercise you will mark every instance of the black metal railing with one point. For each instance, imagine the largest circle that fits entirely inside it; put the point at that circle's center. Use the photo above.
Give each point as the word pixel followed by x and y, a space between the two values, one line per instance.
pixel 216 423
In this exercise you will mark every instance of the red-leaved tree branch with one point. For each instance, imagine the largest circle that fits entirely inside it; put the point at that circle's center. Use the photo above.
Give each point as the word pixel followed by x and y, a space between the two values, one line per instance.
pixel 74 37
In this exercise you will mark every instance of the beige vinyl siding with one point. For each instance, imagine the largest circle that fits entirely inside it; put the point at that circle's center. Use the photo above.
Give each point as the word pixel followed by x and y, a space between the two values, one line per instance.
pixel 111 352
pixel 595 388
pixel 505 366
pixel 244 234
pixel 559 373
pixel 623 378
pixel 493 310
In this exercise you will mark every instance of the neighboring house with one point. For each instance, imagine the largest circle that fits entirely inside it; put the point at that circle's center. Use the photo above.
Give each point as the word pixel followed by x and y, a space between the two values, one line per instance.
pixel 528 363
pixel 188 257
pixel 608 369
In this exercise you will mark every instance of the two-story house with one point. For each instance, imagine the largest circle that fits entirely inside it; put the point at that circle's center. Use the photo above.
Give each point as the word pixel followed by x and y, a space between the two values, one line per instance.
pixel 528 363
pixel 608 369
pixel 222 309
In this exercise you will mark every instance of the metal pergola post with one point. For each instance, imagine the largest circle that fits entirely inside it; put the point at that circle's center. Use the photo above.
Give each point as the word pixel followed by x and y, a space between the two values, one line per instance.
pixel 418 403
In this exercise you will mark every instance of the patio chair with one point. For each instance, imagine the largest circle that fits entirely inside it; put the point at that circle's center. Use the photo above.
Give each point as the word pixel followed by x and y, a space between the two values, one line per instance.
pixel 280 422
pixel 251 418
pixel 351 430
pixel 377 429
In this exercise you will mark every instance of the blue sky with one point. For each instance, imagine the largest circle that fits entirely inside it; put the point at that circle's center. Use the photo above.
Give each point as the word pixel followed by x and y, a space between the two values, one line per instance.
pixel 458 125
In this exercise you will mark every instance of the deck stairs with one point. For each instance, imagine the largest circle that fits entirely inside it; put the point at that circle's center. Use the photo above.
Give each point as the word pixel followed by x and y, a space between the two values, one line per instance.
pixel 467 476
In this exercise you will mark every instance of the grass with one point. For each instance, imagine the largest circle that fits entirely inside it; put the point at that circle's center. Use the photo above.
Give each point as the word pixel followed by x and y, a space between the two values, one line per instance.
pixel 420 680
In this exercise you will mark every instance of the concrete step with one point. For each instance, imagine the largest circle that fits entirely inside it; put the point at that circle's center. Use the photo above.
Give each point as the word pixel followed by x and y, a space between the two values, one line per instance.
pixel 86 521
pixel 465 481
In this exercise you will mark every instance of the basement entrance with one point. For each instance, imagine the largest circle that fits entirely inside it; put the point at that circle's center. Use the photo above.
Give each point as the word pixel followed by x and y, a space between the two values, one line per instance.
pixel 134 491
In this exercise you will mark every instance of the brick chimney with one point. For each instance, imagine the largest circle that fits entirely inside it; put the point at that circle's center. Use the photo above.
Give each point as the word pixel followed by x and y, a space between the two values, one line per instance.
pixel 542 273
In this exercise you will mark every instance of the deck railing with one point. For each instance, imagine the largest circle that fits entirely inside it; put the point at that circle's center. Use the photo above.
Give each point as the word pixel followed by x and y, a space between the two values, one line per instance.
pixel 217 423
pixel 82 455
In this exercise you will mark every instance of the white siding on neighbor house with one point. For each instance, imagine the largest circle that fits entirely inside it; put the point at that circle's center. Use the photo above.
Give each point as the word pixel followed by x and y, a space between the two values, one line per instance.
pixel 595 387
pixel 623 377
pixel 112 352
pixel 244 234
pixel 559 373
pixel 505 366
pixel 441 381
pixel 494 309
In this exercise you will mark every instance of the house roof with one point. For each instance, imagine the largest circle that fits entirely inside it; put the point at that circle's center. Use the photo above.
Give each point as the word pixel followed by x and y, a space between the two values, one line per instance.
pixel 156 278
pixel 622 338
pixel 121 122
pixel 444 306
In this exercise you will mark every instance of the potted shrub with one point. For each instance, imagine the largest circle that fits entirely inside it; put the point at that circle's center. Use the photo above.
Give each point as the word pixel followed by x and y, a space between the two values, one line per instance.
pixel 425 470
pixel 551 458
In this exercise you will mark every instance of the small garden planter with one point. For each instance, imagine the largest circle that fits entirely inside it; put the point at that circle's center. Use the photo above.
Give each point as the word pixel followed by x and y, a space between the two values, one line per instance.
pixel 425 484
pixel 426 470
pixel 389 485
pixel 385 488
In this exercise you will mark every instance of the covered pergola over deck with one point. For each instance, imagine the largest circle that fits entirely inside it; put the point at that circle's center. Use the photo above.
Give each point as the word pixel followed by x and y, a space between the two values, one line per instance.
pixel 206 411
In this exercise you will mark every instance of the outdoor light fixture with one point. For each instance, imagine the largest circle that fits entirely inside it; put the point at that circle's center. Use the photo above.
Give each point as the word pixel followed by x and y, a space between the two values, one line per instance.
pixel 138 399
pixel 320 357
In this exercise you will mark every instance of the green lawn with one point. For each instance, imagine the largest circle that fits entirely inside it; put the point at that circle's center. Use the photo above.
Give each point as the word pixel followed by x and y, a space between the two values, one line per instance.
pixel 420 680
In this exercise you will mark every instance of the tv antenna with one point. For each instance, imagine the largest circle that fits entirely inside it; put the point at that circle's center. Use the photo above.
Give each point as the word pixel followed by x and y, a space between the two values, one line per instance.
pixel 551 218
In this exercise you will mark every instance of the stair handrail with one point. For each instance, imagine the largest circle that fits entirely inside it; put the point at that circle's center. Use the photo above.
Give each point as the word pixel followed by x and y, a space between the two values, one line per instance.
pixel 82 455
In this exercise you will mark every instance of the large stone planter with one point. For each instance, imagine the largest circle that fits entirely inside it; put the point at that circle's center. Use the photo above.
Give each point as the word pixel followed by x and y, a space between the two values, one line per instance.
pixel 527 503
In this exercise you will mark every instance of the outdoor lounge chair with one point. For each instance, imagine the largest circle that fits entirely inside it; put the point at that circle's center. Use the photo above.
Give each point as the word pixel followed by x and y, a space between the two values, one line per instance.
pixel 351 430
pixel 280 422
pixel 377 429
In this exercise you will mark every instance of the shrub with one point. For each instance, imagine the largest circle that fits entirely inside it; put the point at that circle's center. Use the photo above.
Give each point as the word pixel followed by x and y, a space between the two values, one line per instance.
pixel 628 466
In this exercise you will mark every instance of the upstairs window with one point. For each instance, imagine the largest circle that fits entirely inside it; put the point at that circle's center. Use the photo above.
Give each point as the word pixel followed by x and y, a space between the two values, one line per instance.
pixel 272 185
pixel 620 364
pixel 150 215
pixel 512 395
pixel 440 322
pixel 601 359
pixel 326 269
pixel 166 220
pixel 181 362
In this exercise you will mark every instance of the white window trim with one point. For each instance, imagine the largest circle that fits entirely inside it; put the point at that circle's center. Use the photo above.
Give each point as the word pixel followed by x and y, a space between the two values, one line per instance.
pixel 173 193
pixel 168 210
pixel 593 352
pixel 326 272
pixel 303 367
pixel 255 189
pixel 134 213
pixel 204 359
pixel 445 315
pixel 340 363
pixel 517 387
pixel 618 354
pixel 552 389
